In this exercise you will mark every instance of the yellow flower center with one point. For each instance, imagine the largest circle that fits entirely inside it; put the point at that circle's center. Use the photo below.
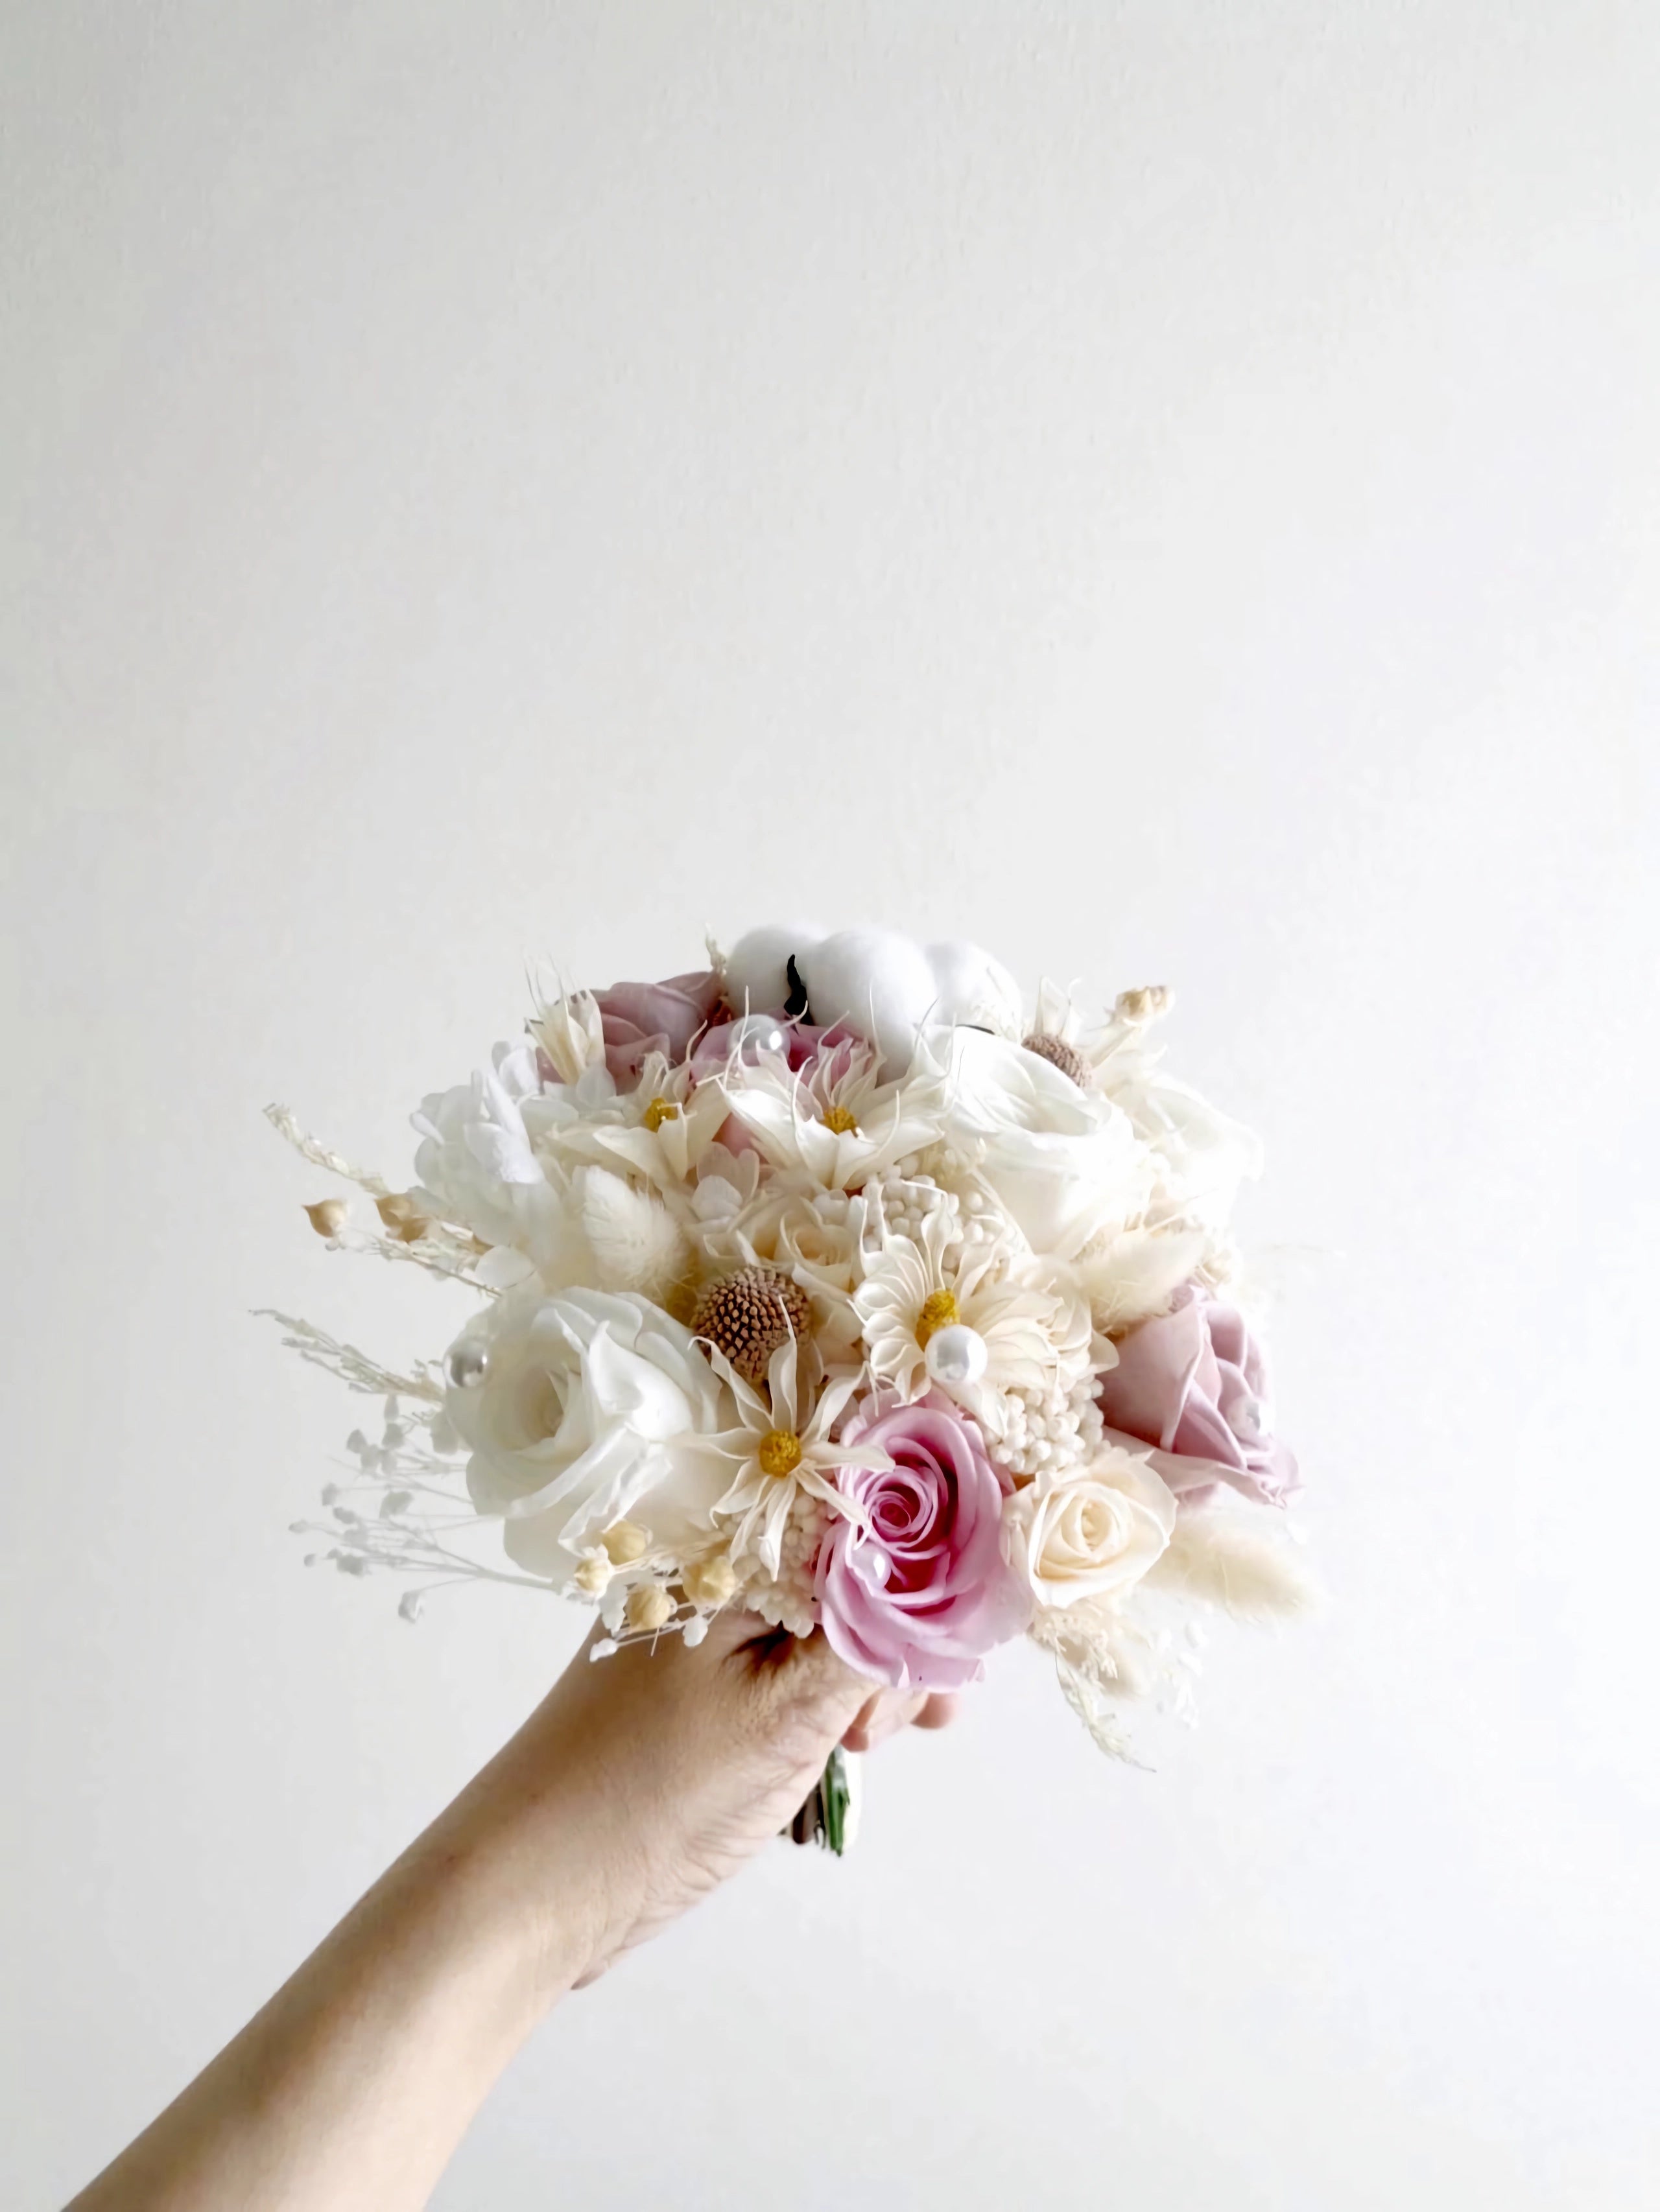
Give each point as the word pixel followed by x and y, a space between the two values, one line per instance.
pixel 840 1122
pixel 778 1452
pixel 658 1111
pixel 939 1312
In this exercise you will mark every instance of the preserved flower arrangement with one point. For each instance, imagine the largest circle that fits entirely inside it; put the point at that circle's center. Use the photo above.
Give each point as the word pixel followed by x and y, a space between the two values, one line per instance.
pixel 831 1282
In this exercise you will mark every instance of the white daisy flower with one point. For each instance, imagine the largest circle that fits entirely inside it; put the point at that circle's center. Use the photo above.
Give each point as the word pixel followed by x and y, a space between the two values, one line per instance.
pixel 837 1122
pixel 660 1130
pixel 974 1319
pixel 783 1452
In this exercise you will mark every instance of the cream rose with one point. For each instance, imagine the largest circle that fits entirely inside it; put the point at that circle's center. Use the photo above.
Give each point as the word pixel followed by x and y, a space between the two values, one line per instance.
pixel 1088 1533
pixel 582 1410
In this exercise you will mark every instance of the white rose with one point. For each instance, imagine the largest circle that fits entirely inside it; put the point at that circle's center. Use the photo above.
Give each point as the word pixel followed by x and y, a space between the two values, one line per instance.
pixel 1091 1532
pixel 1065 1163
pixel 591 1408
pixel 1206 1155
pixel 476 1167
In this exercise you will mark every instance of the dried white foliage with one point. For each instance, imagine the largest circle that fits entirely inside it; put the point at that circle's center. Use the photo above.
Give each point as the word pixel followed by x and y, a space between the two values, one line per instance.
pixel 1104 1655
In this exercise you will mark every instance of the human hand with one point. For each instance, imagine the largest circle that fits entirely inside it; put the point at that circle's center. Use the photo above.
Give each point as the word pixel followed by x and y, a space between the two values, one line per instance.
pixel 646 1779
pixel 637 1785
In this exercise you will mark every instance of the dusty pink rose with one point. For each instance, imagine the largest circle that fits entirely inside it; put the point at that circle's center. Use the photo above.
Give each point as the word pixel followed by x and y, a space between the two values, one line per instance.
pixel 802 1043
pixel 669 1017
pixel 919 1590
pixel 1192 1384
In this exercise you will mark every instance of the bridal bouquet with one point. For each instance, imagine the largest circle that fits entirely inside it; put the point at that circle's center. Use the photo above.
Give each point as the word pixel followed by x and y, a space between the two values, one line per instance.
pixel 831 1283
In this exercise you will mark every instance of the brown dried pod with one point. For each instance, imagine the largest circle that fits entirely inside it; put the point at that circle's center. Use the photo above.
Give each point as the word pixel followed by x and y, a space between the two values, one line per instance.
pixel 1059 1054
pixel 749 1315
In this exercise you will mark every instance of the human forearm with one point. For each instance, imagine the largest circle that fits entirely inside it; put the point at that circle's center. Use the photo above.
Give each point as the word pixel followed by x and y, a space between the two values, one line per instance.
pixel 634 1787
pixel 353 2085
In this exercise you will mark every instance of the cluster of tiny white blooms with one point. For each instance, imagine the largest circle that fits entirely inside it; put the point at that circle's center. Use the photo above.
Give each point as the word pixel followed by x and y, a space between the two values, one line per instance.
pixel 982 1221
pixel 1048 1432
pixel 833 1207
pixel 786 1600
pixel 401 1513
pixel 907 1198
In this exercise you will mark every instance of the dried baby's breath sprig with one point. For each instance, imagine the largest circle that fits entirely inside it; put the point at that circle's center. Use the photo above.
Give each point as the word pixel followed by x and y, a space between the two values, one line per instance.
pixel 352 1367
pixel 310 1148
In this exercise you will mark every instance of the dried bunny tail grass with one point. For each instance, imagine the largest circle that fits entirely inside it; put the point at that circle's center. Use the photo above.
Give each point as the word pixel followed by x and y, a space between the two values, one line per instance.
pixel 637 1243
pixel 353 1368
pixel 283 1121
pixel 1217 1556
pixel 1131 1274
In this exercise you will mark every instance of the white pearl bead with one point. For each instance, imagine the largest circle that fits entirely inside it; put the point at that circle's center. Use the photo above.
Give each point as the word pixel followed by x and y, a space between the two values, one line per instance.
pixel 956 1355
pixel 756 1033
pixel 466 1365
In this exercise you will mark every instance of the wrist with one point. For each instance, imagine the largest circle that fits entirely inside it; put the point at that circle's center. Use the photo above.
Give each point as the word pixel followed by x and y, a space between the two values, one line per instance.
pixel 525 1868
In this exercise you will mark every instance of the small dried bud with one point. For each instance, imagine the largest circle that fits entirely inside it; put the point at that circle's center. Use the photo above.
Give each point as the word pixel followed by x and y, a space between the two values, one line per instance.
pixel 624 1543
pixel 1146 1005
pixel 594 1575
pixel 649 1607
pixel 328 1216
pixel 1059 1054
pixel 709 1582
pixel 403 1219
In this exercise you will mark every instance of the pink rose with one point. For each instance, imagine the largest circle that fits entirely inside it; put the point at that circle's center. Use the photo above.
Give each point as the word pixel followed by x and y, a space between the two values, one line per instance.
pixel 802 1043
pixel 638 1018
pixel 1192 1384
pixel 915 1592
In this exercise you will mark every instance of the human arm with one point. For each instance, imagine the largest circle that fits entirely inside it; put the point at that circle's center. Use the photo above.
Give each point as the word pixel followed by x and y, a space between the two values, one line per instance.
pixel 637 1785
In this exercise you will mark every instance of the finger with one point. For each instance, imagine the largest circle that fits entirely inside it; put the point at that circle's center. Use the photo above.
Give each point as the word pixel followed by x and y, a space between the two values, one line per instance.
pixel 856 1736
pixel 937 1711
pixel 882 1716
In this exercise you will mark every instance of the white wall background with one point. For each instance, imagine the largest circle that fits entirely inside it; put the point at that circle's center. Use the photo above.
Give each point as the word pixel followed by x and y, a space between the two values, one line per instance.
pixel 1167 489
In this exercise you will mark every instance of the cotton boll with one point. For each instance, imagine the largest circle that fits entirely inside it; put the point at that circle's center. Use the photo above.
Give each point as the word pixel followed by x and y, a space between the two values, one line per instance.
pixel 757 967
pixel 970 986
pixel 882 985
pixel 877 981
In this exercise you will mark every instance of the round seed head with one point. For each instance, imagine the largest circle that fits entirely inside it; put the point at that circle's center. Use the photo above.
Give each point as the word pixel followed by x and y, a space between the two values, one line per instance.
pixel 1059 1054
pixel 749 1315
